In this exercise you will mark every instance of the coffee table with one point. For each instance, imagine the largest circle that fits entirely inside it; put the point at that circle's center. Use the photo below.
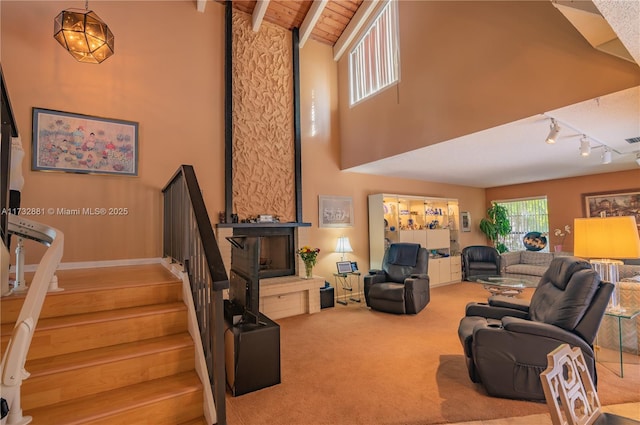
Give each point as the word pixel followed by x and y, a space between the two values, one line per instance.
pixel 503 285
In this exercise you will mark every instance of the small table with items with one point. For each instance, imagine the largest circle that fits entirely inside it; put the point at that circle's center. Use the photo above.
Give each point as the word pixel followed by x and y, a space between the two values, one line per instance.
pixel 503 285
pixel 345 281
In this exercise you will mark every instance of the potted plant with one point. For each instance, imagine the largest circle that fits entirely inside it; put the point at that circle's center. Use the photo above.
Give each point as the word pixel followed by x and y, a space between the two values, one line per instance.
pixel 496 226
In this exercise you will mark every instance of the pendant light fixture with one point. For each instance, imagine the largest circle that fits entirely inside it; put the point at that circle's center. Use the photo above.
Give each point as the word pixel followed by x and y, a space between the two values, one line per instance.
pixel 84 35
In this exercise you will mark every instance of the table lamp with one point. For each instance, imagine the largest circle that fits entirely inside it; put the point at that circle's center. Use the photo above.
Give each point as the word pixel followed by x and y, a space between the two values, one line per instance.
pixel 343 246
pixel 604 241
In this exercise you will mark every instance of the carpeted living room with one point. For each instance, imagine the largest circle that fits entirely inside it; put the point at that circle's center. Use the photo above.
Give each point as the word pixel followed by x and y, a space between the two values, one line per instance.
pixel 352 365
pixel 269 127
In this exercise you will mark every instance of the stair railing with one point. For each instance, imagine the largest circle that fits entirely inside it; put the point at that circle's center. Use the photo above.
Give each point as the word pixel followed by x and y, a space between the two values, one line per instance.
pixel 189 240
pixel 12 371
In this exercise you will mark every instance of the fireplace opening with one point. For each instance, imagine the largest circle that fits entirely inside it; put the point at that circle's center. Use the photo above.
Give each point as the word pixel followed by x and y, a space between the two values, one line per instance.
pixel 277 251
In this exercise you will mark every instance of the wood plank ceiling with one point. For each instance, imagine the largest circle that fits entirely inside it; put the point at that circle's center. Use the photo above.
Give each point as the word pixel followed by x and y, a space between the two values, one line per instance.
pixel 332 22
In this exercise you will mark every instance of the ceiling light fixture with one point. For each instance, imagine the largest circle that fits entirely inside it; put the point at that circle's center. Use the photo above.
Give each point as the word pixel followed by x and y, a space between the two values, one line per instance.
pixel 606 156
pixel 585 146
pixel 553 133
pixel 84 35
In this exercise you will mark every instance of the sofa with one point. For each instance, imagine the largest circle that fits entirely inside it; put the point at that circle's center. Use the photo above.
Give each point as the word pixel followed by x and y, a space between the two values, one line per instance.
pixel 527 264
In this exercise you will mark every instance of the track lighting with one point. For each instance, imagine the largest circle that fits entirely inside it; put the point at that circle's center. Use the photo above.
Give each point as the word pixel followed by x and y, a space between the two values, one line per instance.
pixel 585 146
pixel 606 156
pixel 553 132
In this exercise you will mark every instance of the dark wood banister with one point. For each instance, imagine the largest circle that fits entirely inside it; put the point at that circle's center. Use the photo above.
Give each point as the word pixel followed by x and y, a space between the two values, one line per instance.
pixel 196 248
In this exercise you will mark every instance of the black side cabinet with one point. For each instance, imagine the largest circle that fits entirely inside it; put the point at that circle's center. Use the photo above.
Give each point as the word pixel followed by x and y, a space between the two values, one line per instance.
pixel 252 355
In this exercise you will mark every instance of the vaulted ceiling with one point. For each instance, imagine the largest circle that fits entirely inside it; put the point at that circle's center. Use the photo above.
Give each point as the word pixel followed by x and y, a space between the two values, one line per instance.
pixel 612 27
pixel 332 22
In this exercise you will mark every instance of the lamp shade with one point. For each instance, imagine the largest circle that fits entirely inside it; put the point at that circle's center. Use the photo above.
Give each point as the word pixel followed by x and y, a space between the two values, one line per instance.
pixel 84 35
pixel 606 237
pixel 343 245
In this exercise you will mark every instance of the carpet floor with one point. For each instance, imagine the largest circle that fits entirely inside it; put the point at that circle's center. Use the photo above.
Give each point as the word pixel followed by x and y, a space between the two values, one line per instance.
pixel 352 365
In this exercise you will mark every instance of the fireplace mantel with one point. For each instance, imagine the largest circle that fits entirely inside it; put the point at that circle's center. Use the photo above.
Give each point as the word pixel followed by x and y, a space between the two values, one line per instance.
pixel 254 225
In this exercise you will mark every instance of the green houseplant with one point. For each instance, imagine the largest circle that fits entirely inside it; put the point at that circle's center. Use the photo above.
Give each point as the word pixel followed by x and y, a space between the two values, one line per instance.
pixel 496 226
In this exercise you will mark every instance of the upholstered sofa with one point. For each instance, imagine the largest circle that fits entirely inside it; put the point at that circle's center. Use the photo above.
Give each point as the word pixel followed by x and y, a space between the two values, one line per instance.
pixel 527 263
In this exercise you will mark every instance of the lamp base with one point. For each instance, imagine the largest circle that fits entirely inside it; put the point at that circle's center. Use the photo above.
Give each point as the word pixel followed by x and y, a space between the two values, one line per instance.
pixel 608 271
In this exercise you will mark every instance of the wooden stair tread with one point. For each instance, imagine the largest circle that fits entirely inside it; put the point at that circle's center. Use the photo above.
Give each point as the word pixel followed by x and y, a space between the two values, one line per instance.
pixel 197 421
pixel 100 316
pixel 88 358
pixel 103 405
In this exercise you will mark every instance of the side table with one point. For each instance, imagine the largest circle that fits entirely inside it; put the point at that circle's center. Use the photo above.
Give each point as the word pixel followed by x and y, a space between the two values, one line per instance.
pixel 618 316
pixel 345 281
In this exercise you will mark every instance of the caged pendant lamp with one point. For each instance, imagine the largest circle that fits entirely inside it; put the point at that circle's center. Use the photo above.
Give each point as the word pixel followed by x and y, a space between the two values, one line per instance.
pixel 84 35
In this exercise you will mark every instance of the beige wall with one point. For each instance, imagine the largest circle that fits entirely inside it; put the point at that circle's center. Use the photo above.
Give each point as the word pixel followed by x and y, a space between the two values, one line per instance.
pixel 564 196
pixel 471 65
pixel 170 81
pixel 321 174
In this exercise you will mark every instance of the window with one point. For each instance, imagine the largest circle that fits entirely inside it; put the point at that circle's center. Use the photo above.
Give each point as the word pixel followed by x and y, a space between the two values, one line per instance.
pixel 525 215
pixel 373 62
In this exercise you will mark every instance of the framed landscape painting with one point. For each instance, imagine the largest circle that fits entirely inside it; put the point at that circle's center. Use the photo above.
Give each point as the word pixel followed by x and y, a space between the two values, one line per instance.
pixel 64 141
pixel 609 204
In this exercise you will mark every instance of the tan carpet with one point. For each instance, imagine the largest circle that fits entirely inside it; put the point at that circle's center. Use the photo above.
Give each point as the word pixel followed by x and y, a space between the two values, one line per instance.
pixel 351 365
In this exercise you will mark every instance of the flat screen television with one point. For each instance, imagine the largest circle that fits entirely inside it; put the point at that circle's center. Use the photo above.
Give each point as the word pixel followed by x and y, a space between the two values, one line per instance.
pixel 244 279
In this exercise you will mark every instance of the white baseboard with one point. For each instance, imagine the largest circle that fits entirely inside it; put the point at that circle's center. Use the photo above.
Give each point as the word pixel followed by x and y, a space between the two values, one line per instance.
pixel 96 264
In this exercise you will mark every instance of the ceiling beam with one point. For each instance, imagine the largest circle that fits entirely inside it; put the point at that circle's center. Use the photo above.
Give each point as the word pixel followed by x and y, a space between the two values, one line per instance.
pixel 258 14
pixel 310 20
pixel 354 26
pixel 201 4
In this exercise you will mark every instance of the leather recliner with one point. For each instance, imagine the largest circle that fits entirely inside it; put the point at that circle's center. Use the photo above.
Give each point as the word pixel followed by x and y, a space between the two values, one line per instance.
pixel 480 260
pixel 402 286
pixel 506 341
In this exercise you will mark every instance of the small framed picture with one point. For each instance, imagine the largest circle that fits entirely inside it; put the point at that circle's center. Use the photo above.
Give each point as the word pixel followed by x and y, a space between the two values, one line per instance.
pixel 354 266
pixel 335 211
pixel 465 221
pixel 344 266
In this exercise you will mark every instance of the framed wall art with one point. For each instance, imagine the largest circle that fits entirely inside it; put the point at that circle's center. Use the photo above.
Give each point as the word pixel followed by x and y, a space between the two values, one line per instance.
pixel 465 221
pixel 609 204
pixel 335 211
pixel 64 141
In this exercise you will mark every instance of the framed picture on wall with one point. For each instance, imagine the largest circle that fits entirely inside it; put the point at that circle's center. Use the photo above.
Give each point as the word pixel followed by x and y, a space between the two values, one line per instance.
pixel 465 221
pixel 335 211
pixel 609 204
pixel 65 141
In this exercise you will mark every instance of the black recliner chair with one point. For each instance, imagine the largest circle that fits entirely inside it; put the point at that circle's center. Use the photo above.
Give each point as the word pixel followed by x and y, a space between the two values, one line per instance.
pixel 402 286
pixel 480 260
pixel 506 341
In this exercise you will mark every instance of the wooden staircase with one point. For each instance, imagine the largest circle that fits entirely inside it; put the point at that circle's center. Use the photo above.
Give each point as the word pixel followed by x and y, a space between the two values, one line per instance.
pixel 112 348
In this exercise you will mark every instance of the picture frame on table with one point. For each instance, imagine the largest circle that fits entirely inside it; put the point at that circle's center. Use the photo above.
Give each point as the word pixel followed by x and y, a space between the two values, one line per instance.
pixel 85 144
pixel 335 211
pixel 354 267
pixel 613 203
pixel 343 267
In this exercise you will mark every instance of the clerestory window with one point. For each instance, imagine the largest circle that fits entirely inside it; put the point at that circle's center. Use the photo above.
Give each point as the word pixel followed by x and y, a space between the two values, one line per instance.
pixel 374 61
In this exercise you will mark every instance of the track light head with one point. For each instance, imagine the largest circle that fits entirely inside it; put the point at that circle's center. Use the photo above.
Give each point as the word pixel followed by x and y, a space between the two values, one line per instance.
pixel 606 156
pixel 553 132
pixel 585 146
